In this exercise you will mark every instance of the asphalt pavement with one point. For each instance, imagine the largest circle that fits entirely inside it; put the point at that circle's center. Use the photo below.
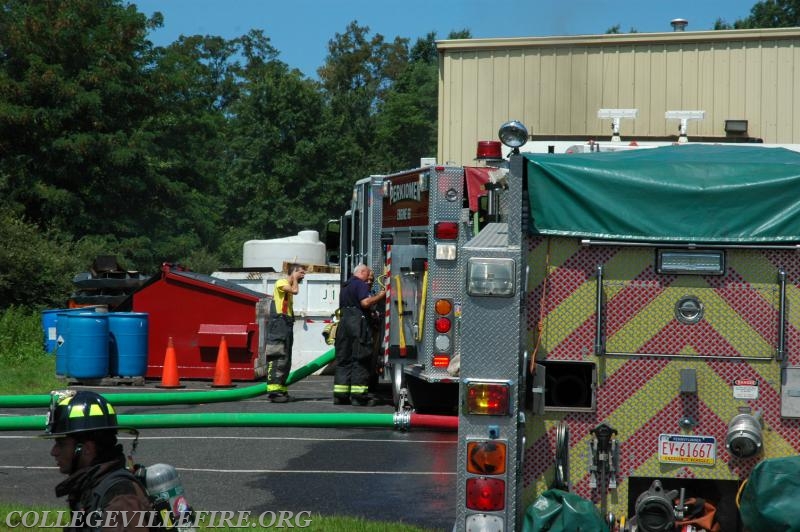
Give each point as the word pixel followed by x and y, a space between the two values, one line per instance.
pixel 375 473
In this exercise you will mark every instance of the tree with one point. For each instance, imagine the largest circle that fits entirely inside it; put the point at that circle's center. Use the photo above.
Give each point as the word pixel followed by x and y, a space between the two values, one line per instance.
pixel 276 181
pixel 767 14
pixel 74 92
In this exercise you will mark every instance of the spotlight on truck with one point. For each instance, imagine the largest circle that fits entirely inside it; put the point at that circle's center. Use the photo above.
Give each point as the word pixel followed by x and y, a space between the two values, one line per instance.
pixel 513 134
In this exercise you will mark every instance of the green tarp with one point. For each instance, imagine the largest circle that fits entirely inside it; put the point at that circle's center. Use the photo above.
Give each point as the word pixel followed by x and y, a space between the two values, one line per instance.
pixel 562 511
pixel 769 498
pixel 687 193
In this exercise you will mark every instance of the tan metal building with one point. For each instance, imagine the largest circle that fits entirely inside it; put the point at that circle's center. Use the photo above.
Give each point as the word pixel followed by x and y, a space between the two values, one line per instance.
pixel 556 85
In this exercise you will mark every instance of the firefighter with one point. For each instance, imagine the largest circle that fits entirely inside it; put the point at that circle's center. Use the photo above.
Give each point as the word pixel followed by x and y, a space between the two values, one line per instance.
pixel 84 427
pixel 280 333
pixel 354 340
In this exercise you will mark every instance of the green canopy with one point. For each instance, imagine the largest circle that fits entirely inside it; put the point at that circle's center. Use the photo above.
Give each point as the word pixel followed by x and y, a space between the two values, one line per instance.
pixel 685 193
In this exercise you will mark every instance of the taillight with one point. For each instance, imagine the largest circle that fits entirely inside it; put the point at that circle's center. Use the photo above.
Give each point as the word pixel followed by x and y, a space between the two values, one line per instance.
pixel 443 306
pixel 441 361
pixel 488 399
pixel 486 457
pixel 445 230
pixel 486 494
pixel 442 325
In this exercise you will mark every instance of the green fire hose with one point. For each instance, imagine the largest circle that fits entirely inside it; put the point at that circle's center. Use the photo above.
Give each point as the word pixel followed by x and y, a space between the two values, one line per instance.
pixel 176 397
pixel 398 420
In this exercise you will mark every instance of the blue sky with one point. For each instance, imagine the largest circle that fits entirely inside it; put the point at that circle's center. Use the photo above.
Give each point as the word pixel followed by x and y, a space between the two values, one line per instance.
pixel 301 29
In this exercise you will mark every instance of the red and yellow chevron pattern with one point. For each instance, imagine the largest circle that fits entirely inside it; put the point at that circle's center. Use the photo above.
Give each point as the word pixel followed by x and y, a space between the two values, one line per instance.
pixel 639 395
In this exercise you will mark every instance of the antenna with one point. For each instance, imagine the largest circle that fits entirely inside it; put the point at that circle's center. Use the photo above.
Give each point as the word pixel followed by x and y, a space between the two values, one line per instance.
pixel 684 117
pixel 615 115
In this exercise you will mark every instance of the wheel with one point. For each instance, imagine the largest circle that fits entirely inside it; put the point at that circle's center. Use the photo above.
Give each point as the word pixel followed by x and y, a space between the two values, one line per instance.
pixel 399 392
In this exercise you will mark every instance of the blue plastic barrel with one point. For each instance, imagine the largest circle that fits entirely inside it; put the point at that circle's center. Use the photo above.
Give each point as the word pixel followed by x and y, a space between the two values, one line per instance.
pixel 127 343
pixel 62 347
pixel 87 345
pixel 49 319
pixel 50 324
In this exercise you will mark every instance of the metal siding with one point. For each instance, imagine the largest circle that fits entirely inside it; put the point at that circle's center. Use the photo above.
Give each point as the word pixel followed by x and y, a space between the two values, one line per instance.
pixel 714 96
pixel 769 94
pixel 556 85
pixel 690 81
pixel 785 91
pixel 642 72
pixel 594 78
pixel 579 84
pixel 658 91
pixel 471 105
pixel 794 90
pixel 547 94
pixel 517 100
pixel 501 77
pixel 563 81
pixel 626 75
pixel 532 87
pixel 752 102
pixel 610 85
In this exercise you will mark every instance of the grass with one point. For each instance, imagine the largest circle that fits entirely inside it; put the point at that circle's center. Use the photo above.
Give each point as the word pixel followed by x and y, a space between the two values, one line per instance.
pixel 316 523
pixel 25 366
pixel 27 369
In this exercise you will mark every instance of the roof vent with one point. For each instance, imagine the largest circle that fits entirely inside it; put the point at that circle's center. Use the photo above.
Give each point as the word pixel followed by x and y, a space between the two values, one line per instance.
pixel 679 24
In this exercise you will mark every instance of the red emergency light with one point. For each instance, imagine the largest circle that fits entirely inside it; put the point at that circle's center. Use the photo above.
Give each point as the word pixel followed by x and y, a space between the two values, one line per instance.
pixel 445 230
pixel 486 494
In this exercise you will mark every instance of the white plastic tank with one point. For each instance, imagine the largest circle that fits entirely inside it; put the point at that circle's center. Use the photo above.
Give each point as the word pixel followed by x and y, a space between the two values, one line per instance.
pixel 304 248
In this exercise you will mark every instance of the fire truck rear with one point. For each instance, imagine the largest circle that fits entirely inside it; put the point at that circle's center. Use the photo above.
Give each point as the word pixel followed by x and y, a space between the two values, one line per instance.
pixel 629 333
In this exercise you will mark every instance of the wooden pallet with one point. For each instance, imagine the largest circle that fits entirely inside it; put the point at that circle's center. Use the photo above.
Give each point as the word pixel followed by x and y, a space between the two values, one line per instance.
pixel 109 381
pixel 311 268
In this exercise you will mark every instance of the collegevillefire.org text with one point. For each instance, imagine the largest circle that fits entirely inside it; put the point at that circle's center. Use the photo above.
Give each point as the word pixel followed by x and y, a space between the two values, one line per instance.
pixel 152 519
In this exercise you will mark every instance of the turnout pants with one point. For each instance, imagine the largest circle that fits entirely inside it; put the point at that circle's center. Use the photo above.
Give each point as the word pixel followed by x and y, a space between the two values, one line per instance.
pixel 353 355
pixel 280 337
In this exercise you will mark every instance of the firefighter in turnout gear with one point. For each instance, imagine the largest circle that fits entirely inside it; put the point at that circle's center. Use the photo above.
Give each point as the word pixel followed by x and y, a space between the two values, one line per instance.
pixel 280 335
pixel 84 427
pixel 354 340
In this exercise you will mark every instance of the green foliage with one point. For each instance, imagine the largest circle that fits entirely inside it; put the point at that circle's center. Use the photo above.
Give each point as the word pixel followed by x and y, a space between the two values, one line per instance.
pixel 36 268
pixel 111 146
pixel 23 363
pixel 767 14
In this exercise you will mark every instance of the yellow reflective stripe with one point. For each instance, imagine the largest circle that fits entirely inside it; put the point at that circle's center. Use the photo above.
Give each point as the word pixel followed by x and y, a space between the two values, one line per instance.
pixel 276 388
pixel 110 408
pixel 76 411
pixel 95 410
pixel 359 389
pixel 341 388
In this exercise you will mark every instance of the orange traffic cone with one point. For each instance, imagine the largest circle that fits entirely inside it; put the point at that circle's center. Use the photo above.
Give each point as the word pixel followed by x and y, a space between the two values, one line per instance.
pixel 169 377
pixel 222 371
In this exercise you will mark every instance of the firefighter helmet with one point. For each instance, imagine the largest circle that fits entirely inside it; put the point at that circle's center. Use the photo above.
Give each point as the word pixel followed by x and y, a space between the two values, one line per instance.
pixel 82 411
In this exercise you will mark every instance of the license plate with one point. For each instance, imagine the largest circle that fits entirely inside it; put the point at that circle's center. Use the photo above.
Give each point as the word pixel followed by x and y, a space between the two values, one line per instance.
pixel 682 449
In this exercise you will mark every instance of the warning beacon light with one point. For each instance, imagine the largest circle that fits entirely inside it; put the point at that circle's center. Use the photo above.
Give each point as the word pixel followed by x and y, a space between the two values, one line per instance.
pixel 513 134
pixel 486 398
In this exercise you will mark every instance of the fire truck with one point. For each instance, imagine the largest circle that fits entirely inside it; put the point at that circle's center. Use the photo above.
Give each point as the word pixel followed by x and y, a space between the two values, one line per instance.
pixel 619 324
pixel 629 332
